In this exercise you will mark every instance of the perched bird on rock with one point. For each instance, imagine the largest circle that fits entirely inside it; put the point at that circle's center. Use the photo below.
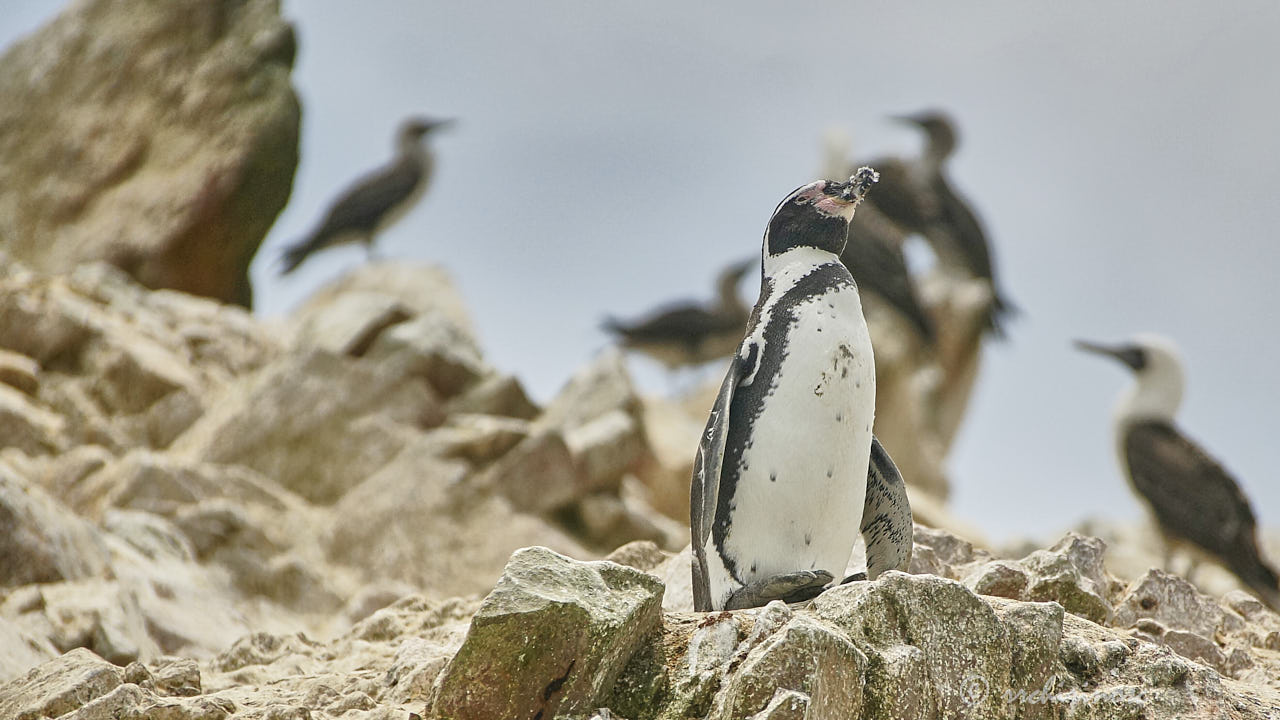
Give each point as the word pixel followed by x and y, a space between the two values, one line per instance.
pixel 375 201
pixel 942 215
pixel 788 472
pixel 1198 507
pixel 690 334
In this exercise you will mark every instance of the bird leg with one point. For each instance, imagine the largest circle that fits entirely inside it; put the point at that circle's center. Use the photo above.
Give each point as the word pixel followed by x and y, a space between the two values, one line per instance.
pixel 788 587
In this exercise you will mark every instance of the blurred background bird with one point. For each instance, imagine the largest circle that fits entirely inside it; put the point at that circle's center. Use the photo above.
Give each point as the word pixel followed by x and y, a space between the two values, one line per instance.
pixel 689 334
pixel 1198 507
pixel 375 201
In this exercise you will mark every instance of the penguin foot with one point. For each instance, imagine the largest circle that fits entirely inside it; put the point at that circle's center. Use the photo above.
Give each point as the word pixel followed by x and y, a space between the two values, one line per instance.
pixel 789 587
pixel 856 577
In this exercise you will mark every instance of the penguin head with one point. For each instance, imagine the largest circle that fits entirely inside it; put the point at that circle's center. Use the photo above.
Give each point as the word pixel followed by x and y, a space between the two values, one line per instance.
pixel 817 215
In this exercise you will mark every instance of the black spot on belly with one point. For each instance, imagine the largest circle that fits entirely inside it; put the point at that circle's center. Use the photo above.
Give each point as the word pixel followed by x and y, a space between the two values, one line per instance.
pixel 844 372
pixel 773 477
pixel 753 567
pixel 808 538
pixel 830 472
pixel 839 417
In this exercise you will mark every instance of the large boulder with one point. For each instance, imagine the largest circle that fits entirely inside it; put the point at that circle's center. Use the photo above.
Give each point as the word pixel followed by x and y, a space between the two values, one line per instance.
pixel 550 639
pixel 161 137
pixel 59 686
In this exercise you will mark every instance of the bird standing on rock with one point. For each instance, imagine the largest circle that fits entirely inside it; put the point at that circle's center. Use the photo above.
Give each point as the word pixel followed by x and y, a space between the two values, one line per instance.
pixel 1198 507
pixel 376 201
pixel 787 471
pixel 690 334
pixel 944 218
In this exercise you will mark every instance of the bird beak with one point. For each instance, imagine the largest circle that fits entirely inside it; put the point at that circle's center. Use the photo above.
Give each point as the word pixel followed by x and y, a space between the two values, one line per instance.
pixel 858 185
pixel 442 124
pixel 905 119
pixel 1126 354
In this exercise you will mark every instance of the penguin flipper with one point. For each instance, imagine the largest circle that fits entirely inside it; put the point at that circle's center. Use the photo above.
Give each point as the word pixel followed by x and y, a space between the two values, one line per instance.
pixel 789 587
pixel 886 515
pixel 704 490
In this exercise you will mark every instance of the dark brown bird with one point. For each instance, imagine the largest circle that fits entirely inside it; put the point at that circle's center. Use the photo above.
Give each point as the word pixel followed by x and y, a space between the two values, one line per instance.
pixel 689 333
pixel 375 201
pixel 1196 504
pixel 946 219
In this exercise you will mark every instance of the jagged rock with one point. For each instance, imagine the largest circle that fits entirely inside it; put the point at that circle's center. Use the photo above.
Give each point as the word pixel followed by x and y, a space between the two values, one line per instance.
pixel 432 347
pixel 130 702
pixel 804 656
pixel 551 638
pixel 538 475
pixel 596 389
pixel 349 323
pixel 1167 610
pixel 317 423
pixel 671 431
pixel 176 676
pixel 924 636
pixel 1071 573
pixel 418 520
pixel 261 648
pixel 19 371
pixel 500 395
pixel 59 686
pixel 165 485
pixel 605 448
pixel 27 426
pixel 478 438
pixel 785 705
pixel 177 131
pixel 22 649
pixel 677 575
pixel 1172 601
pixel 643 555
pixel 611 519
pixel 422 289
pixel 40 541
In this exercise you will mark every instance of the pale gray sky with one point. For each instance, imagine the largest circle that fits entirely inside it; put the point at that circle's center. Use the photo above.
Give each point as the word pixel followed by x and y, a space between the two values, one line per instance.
pixel 610 156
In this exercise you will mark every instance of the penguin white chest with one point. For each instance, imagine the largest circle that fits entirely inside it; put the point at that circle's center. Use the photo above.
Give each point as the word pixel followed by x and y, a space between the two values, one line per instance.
pixel 802 479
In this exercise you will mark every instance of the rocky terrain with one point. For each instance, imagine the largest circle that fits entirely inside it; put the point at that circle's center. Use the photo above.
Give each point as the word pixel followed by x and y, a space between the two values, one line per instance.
pixel 349 513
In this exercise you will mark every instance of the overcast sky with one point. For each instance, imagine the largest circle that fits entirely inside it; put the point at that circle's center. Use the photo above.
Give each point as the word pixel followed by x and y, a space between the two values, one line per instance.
pixel 611 156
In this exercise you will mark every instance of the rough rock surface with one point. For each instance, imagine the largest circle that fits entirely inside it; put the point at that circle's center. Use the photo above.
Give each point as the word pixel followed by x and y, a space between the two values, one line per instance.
pixel 552 637
pixel 177 474
pixel 160 137
pixel 231 519
pixel 205 515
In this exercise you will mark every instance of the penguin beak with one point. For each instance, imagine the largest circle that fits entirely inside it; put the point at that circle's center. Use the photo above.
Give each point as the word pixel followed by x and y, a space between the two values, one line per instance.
pixel 1127 354
pixel 859 182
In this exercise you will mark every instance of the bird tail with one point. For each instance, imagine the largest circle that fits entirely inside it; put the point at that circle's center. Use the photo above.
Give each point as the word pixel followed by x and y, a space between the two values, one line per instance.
pixel 998 316
pixel 1262 579
pixel 293 255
